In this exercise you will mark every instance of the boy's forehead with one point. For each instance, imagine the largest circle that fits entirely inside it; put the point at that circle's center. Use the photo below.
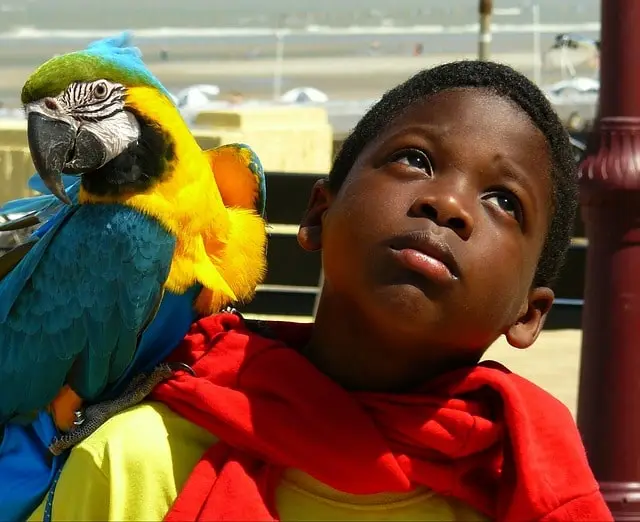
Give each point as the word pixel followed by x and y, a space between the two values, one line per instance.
pixel 476 110
pixel 473 125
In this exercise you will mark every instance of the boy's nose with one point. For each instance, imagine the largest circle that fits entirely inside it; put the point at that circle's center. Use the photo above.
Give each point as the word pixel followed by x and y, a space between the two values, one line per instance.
pixel 446 210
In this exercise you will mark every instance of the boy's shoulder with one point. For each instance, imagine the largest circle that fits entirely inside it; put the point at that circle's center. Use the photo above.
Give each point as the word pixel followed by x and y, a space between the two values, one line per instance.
pixel 547 431
pixel 130 468
pixel 207 330
pixel 145 429
pixel 527 397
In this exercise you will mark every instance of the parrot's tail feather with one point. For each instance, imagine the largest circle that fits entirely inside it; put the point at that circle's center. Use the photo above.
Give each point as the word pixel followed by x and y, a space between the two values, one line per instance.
pixel 40 207
pixel 152 314
pixel 96 415
pixel 11 259
pixel 30 220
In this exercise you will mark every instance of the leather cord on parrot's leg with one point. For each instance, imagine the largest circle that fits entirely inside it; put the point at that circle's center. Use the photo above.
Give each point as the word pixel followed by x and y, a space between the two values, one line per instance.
pixel 96 415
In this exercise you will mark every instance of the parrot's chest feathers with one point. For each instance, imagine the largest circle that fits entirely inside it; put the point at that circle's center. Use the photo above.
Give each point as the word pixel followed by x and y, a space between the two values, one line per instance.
pixel 179 193
pixel 117 234
pixel 113 234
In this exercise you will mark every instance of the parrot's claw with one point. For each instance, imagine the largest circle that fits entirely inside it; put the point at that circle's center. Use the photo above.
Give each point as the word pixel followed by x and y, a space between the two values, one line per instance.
pixel 254 325
pixel 79 415
pixel 91 418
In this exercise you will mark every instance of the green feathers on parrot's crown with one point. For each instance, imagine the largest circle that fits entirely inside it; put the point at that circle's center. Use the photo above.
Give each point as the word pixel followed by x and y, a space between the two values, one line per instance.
pixel 111 59
pixel 54 76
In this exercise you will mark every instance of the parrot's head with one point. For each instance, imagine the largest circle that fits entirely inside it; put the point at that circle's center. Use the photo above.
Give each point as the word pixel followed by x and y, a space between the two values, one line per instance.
pixel 80 120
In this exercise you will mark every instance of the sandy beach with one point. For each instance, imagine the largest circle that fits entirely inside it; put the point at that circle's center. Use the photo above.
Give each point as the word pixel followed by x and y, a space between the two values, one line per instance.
pixel 553 363
pixel 343 78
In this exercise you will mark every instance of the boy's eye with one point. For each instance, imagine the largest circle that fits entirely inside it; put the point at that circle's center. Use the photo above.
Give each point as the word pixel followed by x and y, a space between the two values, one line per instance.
pixel 506 202
pixel 414 158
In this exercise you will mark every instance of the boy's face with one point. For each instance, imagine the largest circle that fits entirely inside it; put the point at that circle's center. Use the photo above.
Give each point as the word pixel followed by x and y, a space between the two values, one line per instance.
pixel 437 230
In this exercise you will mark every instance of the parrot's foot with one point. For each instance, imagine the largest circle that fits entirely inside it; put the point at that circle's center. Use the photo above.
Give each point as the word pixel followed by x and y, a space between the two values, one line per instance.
pixel 94 416
pixel 254 325
pixel 63 408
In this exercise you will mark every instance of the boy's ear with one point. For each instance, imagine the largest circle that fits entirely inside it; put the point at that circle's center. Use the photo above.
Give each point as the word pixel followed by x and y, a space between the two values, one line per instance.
pixel 525 330
pixel 310 231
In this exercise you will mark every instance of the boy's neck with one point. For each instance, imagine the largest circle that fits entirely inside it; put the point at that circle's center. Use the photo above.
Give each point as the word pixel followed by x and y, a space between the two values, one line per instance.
pixel 365 355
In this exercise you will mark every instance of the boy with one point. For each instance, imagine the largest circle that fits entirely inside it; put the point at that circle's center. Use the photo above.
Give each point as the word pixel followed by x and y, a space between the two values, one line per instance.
pixel 442 225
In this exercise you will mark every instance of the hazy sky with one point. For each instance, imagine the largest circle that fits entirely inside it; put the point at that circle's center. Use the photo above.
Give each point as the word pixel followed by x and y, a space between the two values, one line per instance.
pixel 191 13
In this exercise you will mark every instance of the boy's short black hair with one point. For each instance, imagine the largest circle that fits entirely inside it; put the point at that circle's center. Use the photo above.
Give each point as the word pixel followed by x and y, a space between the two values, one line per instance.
pixel 505 82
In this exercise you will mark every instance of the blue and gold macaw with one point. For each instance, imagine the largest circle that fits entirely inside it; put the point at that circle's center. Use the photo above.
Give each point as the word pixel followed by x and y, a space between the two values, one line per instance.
pixel 139 229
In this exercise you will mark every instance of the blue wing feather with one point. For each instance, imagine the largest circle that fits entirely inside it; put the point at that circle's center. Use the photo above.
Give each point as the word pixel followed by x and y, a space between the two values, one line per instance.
pixel 45 201
pixel 13 284
pixel 36 184
pixel 239 160
pixel 46 207
pixel 256 167
pixel 79 313
pixel 25 205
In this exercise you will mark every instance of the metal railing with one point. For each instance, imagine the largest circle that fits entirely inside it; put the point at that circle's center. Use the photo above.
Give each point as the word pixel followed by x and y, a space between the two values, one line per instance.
pixel 294 277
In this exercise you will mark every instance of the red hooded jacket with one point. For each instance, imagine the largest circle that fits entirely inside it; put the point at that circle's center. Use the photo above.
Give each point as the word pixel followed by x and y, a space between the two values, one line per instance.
pixel 482 434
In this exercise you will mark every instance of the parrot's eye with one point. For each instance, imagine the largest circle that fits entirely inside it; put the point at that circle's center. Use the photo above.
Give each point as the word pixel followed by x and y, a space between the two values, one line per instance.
pixel 100 90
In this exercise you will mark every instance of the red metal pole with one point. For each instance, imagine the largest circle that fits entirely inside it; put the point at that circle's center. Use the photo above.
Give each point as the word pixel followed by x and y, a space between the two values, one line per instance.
pixel 609 399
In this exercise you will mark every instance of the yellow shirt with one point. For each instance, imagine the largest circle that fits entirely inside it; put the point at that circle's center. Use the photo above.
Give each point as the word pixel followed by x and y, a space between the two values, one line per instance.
pixel 133 467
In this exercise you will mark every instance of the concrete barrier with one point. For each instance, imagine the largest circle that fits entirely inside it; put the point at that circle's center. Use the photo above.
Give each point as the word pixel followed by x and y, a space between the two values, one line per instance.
pixel 15 160
pixel 287 139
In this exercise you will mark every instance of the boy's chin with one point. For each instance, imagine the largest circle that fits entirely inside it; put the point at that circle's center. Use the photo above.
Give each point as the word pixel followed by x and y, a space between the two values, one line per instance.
pixel 408 307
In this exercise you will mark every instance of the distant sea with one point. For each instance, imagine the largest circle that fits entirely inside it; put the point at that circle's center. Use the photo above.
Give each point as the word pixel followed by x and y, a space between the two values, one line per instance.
pixel 31 31
pixel 151 14
pixel 245 28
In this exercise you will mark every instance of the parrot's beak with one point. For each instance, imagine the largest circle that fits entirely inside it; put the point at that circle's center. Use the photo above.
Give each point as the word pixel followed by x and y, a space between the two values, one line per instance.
pixel 57 146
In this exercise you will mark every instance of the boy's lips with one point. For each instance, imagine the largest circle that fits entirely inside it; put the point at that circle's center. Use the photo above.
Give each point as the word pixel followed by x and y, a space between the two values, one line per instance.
pixel 426 254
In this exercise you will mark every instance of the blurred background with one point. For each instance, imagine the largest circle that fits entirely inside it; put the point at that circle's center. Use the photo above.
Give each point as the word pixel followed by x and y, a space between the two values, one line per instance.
pixel 340 53
pixel 291 78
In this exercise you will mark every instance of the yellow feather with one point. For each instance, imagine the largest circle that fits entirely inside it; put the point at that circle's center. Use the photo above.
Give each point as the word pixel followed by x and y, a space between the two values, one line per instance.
pixel 221 248
pixel 237 190
pixel 244 257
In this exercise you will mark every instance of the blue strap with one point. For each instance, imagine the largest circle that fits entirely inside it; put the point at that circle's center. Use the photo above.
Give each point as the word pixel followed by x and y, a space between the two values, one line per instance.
pixel 48 507
pixel 27 470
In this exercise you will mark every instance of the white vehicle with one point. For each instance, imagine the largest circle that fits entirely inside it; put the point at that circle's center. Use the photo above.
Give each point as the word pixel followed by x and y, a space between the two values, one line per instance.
pixel 578 87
